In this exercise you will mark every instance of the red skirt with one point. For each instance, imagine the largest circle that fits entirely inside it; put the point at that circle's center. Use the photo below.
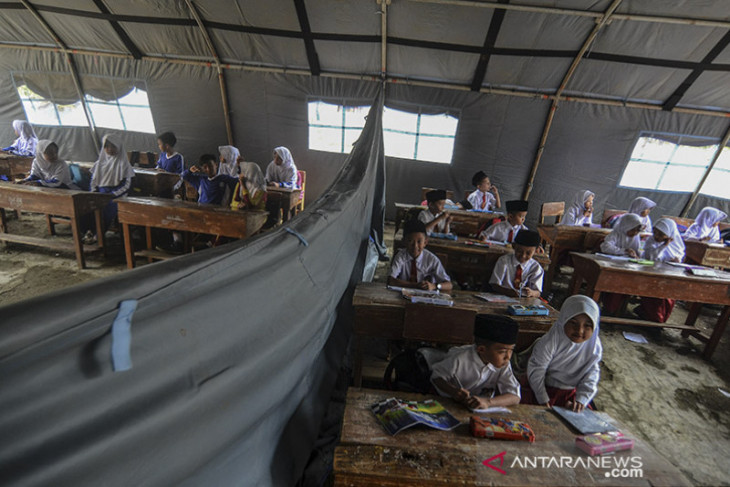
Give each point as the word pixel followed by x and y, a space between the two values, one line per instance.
pixel 558 397
pixel 655 309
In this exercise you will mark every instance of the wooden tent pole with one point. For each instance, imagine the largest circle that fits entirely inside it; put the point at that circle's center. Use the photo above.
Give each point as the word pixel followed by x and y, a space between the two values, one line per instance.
pixel 568 75
pixel 535 94
pixel 71 67
pixel 221 77
pixel 581 13
pixel 715 157
pixel 383 37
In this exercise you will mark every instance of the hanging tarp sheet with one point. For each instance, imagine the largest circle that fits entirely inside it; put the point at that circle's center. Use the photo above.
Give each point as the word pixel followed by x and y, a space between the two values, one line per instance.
pixel 233 354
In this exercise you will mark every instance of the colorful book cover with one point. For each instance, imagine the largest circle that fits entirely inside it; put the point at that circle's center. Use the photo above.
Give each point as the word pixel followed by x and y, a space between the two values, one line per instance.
pixel 500 429
pixel 602 443
pixel 396 415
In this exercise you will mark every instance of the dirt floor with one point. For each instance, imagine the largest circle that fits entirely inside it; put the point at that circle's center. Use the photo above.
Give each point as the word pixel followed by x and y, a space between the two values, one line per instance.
pixel 663 391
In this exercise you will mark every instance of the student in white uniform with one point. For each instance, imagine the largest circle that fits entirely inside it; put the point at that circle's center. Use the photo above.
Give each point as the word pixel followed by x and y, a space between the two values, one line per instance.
pixel 434 217
pixel 642 206
pixel 507 230
pixel 480 375
pixel 624 238
pixel 25 144
pixel 486 196
pixel 48 169
pixel 228 160
pixel 564 368
pixel 518 271
pixel 580 210
pixel 416 267
pixel 705 228
pixel 665 245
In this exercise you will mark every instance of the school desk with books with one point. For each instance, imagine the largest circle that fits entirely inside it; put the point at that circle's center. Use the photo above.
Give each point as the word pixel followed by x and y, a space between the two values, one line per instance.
pixel 661 280
pixel 422 456
pixel 384 313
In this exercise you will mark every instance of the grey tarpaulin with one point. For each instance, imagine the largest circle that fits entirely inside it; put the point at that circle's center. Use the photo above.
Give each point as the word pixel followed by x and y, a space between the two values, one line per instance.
pixel 234 353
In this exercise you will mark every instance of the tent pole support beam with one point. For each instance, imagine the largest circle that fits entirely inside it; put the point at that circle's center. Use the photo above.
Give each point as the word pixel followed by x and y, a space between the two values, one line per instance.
pixel 383 37
pixel 219 68
pixel 312 56
pixel 121 33
pixel 715 157
pixel 71 66
pixel 489 41
pixel 581 13
pixel 487 90
pixel 556 100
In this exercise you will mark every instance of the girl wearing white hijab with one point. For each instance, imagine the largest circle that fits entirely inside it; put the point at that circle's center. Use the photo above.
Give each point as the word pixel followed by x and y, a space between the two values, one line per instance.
pixel 111 174
pixel 624 238
pixel 580 210
pixel 25 144
pixel 250 192
pixel 564 369
pixel 705 226
pixel 665 245
pixel 282 172
pixel 642 206
pixel 228 160
pixel 48 170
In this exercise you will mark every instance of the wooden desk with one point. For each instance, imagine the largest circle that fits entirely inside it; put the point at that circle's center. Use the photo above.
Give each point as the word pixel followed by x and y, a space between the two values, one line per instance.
pixel 420 456
pixel 14 166
pixel 381 313
pixel 184 216
pixel 289 199
pixel 658 281
pixel 564 238
pixel 467 261
pixel 465 223
pixel 147 182
pixel 57 202
pixel 707 254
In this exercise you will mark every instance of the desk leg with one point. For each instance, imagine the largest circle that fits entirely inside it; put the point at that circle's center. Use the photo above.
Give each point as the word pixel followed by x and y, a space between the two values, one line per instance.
pixel 357 363
pixel 51 226
pixel 128 245
pixel 716 333
pixel 553 268
pixel 148 238
pixel 575 282
pixel 99 229
pixel 3 221
pixel 78 243
pixel 694 312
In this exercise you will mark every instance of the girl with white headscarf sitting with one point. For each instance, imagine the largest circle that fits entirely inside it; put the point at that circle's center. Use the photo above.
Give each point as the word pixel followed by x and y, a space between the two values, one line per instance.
pixel 665 245
pixel 282 172
pixel 564 368
pixel 25 144
pixel 112 174
pixel 623 240
pixel 705 228
pixel 48 169
pixel 229 156
pixel 580 210
pixel 250 192
pixel 642 206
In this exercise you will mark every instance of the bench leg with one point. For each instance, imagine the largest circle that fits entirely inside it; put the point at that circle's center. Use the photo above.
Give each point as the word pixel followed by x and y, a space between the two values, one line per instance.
pixel 128 247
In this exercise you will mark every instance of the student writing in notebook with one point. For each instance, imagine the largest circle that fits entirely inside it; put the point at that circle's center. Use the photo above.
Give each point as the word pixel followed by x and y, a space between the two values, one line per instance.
pixel 517 273
pixel 705 228
pixel 480 375
pixel 564 367
pixel 416 267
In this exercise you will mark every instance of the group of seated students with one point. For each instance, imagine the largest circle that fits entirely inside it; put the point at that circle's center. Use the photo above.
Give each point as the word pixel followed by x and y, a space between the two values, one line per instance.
pixel 563 368
pixel 223 180
pixel 518 273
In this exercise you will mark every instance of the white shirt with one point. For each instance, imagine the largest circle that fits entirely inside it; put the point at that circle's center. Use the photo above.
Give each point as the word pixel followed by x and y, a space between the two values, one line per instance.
pixel 427 264
pixel 476 198
pixel 480 379
pixel 506 268
pixel 427 217
pixel 500 231
pixel 617 242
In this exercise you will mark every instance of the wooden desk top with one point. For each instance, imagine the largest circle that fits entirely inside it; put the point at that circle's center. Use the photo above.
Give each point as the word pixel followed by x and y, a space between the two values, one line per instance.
pixel 660 269
pixel 708 254
pixel 481 215
pixel 41 199
pixel 471 246
pixel 378 294
pixel 8 156
pixel 190 216
pixel 422 456
pixel 553 233
pixel 283 190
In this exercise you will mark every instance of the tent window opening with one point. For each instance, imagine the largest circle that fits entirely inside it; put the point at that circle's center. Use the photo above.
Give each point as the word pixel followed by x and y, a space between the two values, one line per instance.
pixel 130 112
pixel 406 135
pixel 666 162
